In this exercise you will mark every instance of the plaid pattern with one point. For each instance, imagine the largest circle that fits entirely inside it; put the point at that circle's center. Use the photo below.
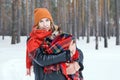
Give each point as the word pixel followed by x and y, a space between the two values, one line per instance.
pixel 55 46
pixel 59 44
pixel 51 68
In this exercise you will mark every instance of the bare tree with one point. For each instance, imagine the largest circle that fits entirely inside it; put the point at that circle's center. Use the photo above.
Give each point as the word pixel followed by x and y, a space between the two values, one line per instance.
pixel 105 24
pixel 102 21
pixel 32 9
pixel 0 15
pixel 2 18
pixel 101 18
pixel 65 15
pixel 70 15
pixel 14 23
pixel 19 20
pixel 117 20
pixel 30 14
pixel 83 18
pixel 75 17
pixel 108 17
pixel 88 7
pixel 27 17
pixel 96 25
pixel 60 13
pixel 79 18
pixel 23 17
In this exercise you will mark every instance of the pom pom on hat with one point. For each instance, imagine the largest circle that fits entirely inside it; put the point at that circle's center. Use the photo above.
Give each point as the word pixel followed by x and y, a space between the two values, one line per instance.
pixel 40 13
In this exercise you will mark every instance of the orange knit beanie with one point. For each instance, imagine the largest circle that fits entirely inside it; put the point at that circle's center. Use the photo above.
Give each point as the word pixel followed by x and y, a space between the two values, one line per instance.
pixel 40 13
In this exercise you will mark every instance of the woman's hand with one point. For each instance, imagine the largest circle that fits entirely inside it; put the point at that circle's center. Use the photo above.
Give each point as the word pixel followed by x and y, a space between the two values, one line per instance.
pixel 72 67
pixel 28 72
pixel 72 48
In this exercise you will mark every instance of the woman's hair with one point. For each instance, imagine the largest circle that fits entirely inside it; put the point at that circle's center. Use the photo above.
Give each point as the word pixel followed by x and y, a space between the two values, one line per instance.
pixel 56 28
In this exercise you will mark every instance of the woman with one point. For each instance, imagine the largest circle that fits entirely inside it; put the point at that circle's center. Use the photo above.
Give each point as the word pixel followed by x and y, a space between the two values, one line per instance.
pixel 52 53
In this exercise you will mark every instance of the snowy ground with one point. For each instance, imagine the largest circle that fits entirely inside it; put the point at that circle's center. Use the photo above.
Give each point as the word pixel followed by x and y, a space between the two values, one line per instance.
pixel 102 64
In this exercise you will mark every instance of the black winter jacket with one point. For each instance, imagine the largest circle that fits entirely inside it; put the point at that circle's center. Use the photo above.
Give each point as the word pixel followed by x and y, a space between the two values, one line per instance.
pixel 41 59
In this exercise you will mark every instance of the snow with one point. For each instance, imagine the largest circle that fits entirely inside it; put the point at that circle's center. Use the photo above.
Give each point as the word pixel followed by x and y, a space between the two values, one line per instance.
pixel 101 64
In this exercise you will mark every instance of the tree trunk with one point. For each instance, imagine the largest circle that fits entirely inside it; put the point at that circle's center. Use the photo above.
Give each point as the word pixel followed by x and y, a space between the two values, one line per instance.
pixel 83 19
pixel 88 19
pixel 2 18
pixel 27 17
pixel 70 22
pixel 65 15
pixel 32 9
pixel 108 17
pixel 75 18
pixel 19 21
pixel 24 29
pixel 105 24
pixel 79 22
pixel 14 23
pixel 0 15
pixel 117 21
pixel 96 26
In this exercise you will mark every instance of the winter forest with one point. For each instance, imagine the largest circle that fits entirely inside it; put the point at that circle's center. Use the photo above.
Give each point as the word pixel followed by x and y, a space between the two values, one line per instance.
pixel 98 18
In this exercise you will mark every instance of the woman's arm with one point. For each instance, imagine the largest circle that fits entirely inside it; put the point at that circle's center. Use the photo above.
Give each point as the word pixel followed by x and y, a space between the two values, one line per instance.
pixel 43 59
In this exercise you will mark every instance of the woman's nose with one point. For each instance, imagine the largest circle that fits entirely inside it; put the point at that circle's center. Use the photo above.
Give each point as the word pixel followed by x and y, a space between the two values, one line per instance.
pixel 44 23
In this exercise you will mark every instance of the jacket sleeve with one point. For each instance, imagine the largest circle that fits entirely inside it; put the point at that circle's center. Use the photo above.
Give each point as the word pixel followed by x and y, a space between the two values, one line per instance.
pixel 43 59
pixel 80 60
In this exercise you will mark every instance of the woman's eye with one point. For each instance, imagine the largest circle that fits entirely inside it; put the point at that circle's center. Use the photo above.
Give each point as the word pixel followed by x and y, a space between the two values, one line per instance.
pixel 47 20
pixel 41 21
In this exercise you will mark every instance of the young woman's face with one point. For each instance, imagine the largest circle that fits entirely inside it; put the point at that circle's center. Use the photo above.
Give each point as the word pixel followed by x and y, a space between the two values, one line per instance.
pixel 44 24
